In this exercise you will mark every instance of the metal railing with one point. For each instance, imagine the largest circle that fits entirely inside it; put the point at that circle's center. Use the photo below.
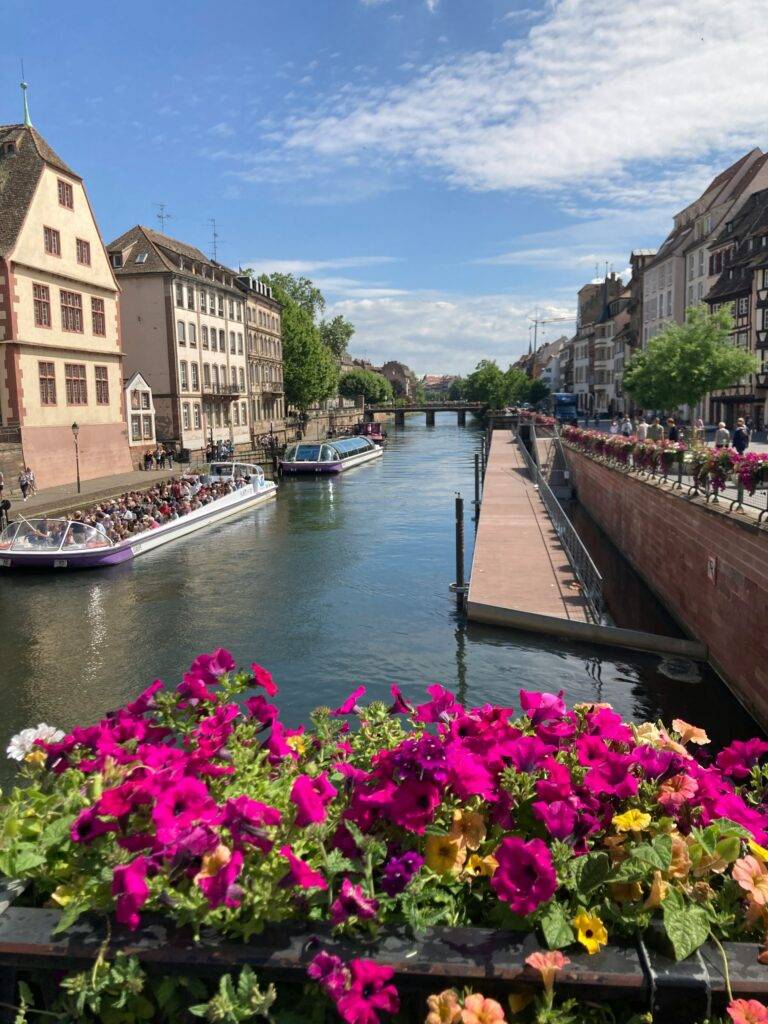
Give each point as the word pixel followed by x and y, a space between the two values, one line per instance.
pixel 581 562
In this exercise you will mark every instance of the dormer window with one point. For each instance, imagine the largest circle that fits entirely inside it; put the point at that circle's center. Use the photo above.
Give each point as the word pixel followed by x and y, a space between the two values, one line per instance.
pixel 116 259
pixel 8 148
pixel 66 197
pixel 141 258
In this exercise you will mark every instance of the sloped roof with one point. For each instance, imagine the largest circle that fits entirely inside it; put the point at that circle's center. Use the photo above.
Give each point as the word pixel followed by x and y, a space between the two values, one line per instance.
pixel 750 222
pixel 20 172
pixel 162 254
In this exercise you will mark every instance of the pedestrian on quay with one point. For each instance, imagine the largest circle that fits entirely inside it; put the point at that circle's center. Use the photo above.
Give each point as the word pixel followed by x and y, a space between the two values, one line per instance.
pixel 5 508
pixel 614 428
pixel 642 430
pixel 32 481
pixel 673 431
pixel 627 429
pixel 147 461
pixel 722 437
pixel 24 484
pixel 699 429
pixel 655 431
pixel 169 456
pixel 741 436
pixel 2 485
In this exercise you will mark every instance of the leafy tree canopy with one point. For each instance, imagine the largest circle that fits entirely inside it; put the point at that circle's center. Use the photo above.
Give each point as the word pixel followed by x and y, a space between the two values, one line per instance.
pixel 686 361
pixel 300 289
pixel 309 369
pixel 488 384
pixel 458 390
pixel 336 334
pixel 537 391
pixel 372 386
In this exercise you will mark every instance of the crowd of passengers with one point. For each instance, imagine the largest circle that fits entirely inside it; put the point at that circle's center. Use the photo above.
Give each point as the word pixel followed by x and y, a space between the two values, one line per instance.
pixel 135 512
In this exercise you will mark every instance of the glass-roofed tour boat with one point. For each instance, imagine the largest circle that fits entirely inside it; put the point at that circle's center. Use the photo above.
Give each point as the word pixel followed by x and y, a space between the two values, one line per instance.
pixel 333 456
pixel 46 542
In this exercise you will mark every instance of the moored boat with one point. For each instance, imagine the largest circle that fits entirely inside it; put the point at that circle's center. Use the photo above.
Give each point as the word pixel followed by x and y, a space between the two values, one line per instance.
pixel 372 431
pixel 59 543
pixel 333 456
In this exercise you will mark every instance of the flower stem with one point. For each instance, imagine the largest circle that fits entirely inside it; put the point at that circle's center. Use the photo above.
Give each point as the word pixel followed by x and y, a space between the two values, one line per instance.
pixel 726 975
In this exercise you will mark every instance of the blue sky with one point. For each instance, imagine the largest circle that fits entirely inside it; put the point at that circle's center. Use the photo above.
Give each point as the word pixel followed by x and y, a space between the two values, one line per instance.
pixel 440 167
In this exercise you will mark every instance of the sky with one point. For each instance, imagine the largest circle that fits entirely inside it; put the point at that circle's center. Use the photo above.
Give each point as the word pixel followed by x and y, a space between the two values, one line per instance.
pixel 442 169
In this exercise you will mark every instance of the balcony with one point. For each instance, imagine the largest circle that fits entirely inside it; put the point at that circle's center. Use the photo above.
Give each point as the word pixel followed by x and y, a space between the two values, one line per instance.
pixel 222 390
pixel 272 387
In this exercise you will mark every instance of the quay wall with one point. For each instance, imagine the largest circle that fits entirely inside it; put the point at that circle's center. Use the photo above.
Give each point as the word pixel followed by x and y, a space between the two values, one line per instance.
pixel 708 567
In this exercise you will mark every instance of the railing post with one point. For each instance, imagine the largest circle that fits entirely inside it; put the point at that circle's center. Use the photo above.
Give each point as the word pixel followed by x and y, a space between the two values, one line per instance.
pixel 459 552
pixel 477 488
pixel 680 461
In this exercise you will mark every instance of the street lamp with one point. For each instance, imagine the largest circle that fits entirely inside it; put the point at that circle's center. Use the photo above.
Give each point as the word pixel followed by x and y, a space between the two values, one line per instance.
pixel 75 432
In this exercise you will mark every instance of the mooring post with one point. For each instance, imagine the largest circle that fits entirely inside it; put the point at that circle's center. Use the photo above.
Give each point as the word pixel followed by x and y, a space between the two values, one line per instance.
pixel 477 488
pixel 459 551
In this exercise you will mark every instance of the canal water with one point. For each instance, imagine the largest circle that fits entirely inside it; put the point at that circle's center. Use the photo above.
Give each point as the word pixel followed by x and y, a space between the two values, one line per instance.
pixel 338 582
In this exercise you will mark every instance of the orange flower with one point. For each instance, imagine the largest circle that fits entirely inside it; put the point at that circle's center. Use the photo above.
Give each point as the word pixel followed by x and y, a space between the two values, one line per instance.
pixel 747 1011
pixel 468 828
pixel 626 892
pixel 213 862
pixel 479 1010
pixel 680 865
pixel 443 1008
pixel 751 875
pixel 689 733
pixel 547 964
pixel 659 889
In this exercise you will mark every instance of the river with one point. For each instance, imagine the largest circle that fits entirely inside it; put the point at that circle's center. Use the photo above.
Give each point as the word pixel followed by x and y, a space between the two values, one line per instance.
pixel 336 583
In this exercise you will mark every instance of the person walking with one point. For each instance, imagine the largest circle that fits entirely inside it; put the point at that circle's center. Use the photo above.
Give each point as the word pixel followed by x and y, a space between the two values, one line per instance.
pixel 627 428
pixel 655 431
pixel 642 430
pixel 699 430
pixel 24 484
pixel 741 436
pixel 673 432
pixel 32 481
pixel 169 457
pixel 2 485
pixel 722 437
pixel 614 428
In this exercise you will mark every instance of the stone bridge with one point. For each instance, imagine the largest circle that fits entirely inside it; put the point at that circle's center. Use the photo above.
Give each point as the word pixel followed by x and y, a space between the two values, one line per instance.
pixel 430 408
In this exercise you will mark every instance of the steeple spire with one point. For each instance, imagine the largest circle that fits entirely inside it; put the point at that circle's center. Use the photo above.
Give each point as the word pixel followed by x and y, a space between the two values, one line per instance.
pixel 27 118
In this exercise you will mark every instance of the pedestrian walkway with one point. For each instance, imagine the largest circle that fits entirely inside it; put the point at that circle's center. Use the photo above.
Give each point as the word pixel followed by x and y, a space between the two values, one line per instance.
pixel 65 497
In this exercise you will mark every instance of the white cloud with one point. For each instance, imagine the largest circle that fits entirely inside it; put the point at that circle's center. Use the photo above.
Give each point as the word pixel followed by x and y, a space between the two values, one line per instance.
pixel 432 5
pixel 522 14
pixel 265 266
pixel 596 95
pixel 373 3
pixel 222 130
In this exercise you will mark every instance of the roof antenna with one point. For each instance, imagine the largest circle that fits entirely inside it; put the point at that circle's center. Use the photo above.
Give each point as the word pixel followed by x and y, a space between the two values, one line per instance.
pixel 162 216
pixel 27 118
pixel 214 240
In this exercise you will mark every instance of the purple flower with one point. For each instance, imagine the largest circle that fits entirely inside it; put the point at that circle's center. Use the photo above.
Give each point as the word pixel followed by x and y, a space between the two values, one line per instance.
pixel 528 752
pixel 260 709
pixel 612 777
pixel 330 973
pixel 542 707
pixel 525 877
pixel 352 902
pixel 300 873
pixel 400 705
pixel 351 705
pixel 310 796
pixel 558 816
pixel 399 872
pixel 129 887
pixel 87 826
pixel 740 757
pixel 210 667
pixel 412 805
pixel 247 819
pixel 442 706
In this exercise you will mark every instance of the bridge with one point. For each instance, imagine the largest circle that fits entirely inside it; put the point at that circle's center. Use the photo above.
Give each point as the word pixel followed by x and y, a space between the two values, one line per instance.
pixel 430 408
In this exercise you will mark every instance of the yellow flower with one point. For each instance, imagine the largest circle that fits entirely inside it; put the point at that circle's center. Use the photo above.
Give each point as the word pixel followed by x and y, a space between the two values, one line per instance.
pixel 213 862
pixel 36 757
pixel 632 821
pixel 468 827
pixel 297 743
pixel 759 851
pixel 590 931
pixel 647 733
pixel 659 890
pixel 445 855
pixel 64 894
pixel 481 867
pixel 444 1008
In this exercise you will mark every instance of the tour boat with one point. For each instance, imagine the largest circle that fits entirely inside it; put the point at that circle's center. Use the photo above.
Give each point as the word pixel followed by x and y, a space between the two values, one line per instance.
pixel 372 431
pixel 58 543
pixel 329 456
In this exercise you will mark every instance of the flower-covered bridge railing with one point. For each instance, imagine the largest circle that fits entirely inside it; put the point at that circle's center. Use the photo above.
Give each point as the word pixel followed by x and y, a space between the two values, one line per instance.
pixel 710 470
pixel 190 849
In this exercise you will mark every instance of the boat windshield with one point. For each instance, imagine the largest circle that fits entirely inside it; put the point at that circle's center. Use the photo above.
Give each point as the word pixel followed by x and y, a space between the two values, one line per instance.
pixel 237 470
pixel 303 453
pixel 347 447
pixel 46 534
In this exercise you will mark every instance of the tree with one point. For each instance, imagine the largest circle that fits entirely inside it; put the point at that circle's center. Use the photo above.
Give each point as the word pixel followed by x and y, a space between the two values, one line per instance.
pixel 309 370
pixel 374 388
pixel 518 386
pixel 299 289
pixel 686 361
pixel 336 334
pixel 488 384
pixel 537 391
pixel 458 390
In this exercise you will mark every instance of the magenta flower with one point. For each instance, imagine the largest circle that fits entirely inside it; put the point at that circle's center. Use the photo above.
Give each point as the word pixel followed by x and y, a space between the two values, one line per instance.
pixel 352 902
pixel 220 888
pixel 369 993
pixel 87 826
pixel 247 820
pixel 260 709
pixel 440 708
pixel 542 707
pixel 740 757
pixel 300 873
pixel 468 775
pixel 559 817
pixel 400 871
pixel 528 753
pixel 525 877
pixel 213 732
pixel 311 796
pixel 181 803
pixel 210 667
pixel 330 973
pixel 400 705
pixel 413 805
pixel 607 724
pixel 351 705
pixel 145 700
pixel 193 691
pixel 130 889
pixel 591 751
pixel 613 777
pixel 278 746
pixel 264 679
pixel 557 785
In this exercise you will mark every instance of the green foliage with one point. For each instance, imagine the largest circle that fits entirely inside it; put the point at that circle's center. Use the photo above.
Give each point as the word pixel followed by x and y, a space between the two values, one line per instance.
pixel 686 361
pixel 537 391
pixel 236 1003
pixel 687 924
pixel 458 390
pixel 109 992
pixel 336 334
pixel 299 290
pixel 488 384
pixel 372 386
pixel 310 371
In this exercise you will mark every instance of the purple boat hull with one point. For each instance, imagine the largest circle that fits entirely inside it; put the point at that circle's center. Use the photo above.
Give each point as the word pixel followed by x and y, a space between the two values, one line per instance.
pixel 95 559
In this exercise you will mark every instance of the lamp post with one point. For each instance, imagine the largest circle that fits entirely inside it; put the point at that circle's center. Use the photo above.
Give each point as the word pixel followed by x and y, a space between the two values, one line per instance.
pixel 75 432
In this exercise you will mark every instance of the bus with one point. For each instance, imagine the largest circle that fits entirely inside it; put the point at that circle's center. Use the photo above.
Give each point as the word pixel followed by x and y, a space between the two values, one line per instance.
pixel 563 406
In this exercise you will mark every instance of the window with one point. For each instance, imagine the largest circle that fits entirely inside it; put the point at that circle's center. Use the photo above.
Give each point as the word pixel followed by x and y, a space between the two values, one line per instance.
pixel 743 306
pixel 116 259
pixel 83 252
pixel 215 377
pixel 98 320
pixel 237 415
pixel 183 376
pixel 42 299
pixel 203 301
pixel 196 409
pixel 212 303
pixel 192 335
pixel 234 377
pixel 185 415
pixel 204 336
pixel 206 375
pixel 690 294
pixel 148 431
pixel 141 258
pixel 135 428
pixel 102 385
pixel 242 379
pixel 71 312
pixel 47 383
pixel 74 380
pixel 669 303
pixel 52 241
pixel 240 344
pixel 66 197
pixel 239 310
pixel 221 305
pixel 700 291
pixel 179 294
pixel 135 399
pixel 701 262
pixel 232 342
pixel 231 309
pixel 190 297
pixel 217 413
pixel 195 377
pixel 181 332
pixel 742 339
pixel 243 413
pixel 144 399
pixel 222 341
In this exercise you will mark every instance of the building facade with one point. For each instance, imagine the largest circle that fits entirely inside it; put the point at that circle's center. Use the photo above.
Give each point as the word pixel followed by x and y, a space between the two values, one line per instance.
pixel 264 342
pixel 184 328
pixel 60 339
pixel 140 413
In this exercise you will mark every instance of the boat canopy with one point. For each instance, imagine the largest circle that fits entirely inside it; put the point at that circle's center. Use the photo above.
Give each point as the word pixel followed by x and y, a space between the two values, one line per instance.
pixel 234 470
pixel 329 451
pixel 47 534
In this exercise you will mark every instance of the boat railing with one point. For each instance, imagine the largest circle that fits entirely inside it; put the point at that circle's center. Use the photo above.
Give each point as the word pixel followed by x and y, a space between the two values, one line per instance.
pixel 37 535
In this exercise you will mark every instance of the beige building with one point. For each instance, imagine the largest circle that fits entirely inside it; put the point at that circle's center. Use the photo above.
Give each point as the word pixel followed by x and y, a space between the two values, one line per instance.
pixel 184 325
pixel 264 346
pixel 60 338
pixel 140 411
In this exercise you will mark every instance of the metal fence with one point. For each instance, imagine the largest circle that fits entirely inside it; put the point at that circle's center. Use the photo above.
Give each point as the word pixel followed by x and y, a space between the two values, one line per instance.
pixel 581 562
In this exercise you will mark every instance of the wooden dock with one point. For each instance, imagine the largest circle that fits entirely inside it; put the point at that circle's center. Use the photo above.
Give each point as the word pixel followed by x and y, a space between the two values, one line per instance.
pixel 521 577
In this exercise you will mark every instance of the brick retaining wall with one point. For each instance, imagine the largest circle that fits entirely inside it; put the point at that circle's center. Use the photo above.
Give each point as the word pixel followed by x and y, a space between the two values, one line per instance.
pixel 671 542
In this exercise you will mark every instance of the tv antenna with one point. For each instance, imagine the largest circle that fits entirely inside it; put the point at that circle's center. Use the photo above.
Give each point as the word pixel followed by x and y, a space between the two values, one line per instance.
pixel 162 216
pixel 214 240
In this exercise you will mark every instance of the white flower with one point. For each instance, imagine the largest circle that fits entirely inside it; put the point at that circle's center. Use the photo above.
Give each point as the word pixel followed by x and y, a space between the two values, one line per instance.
pixel 23 742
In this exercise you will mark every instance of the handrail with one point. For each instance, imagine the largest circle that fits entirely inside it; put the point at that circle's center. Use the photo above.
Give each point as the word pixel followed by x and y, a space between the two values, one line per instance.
pixel 580 560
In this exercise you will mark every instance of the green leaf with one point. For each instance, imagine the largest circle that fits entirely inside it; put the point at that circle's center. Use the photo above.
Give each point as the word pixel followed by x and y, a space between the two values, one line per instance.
pixel 556 926
pixel 686 924
pixel 590 872
pixel 56 832
pixel 658 853
pixel 26 859
pixel 200 1010
pixel 69 915
pixel 729 848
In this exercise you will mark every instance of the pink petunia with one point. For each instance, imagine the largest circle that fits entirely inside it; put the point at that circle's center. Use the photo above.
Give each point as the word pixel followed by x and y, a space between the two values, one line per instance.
pixel 311 796
pixel 400 705
pixel 370 992
pixel 413 805
pixel 442 706
pixel 300 873
pixel 677 791
pixel 260 709
pixel 351 706
pixel 559 817
pixel 525 877
pixel 218 885
pixel 130 889
pixel 264 679
pixel 542 707
pixel 352 902
pixel 247 820
pixel 330 973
